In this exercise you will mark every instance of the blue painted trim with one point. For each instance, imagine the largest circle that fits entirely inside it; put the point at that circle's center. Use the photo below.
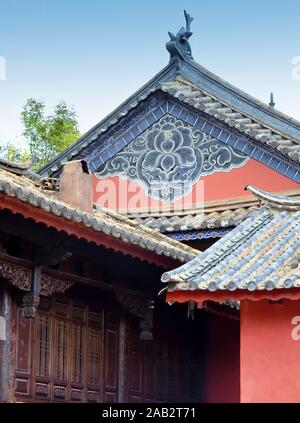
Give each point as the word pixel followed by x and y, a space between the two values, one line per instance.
pixel 203 234
pixel 166 74
pixel 262 153
pixel 125 138
pixel 202 78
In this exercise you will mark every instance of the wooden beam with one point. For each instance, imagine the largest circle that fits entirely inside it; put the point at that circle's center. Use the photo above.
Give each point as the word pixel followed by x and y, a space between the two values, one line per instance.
pixel 40 235
pixel 56 274
pixel 31 300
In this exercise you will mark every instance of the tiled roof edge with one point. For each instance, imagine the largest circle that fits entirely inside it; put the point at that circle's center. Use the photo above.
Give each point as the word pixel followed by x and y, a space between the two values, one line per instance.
pixel 118 227
pixel 204 78
pixel 167 73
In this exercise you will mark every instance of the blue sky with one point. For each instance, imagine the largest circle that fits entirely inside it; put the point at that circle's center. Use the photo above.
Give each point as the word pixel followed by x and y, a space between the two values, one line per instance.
pixel 94 53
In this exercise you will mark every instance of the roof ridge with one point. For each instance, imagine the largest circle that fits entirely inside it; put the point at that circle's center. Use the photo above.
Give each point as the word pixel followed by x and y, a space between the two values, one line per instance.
pixel 192 85
pixel 215 78
pixel 279 131
pixel 246 123
pixel 120 111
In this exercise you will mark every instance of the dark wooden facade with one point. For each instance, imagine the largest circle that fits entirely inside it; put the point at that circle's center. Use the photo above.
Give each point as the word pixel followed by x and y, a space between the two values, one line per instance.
pixel 78 350
pixel 84 344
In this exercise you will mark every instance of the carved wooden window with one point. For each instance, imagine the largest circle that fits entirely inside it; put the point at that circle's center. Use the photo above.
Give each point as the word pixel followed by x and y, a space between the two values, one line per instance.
pixel 74 354
pixel 94 348
pixel 77 353
pixel 70 352
pixel 61 349
pixel 43 340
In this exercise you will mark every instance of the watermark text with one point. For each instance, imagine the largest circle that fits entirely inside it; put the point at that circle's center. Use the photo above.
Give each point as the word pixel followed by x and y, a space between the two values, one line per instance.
pixel 2 69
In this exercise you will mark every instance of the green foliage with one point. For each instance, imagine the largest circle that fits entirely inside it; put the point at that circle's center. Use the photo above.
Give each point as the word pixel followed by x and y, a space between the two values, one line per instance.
pixel 47 136
pixel 13 153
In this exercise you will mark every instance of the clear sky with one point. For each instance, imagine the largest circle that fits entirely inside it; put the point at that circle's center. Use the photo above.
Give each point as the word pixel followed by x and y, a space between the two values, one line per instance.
pixel 95 53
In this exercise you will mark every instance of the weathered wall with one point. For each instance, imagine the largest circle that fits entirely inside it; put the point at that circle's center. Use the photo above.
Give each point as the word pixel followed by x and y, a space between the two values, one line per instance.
pixel 270 357
pixel 222 360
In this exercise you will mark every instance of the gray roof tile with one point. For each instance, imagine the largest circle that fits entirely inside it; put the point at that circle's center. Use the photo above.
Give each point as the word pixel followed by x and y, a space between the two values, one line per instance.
pixel 265 134
pixel 101 220
pixel 262 253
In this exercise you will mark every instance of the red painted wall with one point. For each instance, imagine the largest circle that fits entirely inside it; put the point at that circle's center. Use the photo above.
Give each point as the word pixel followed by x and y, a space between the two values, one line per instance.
pixel 270 358
pixel 222 360
pixel 215 187
pixel 232 184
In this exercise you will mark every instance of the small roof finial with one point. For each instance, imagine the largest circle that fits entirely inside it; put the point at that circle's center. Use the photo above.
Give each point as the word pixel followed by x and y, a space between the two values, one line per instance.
pixel 179 46
pixel 272 103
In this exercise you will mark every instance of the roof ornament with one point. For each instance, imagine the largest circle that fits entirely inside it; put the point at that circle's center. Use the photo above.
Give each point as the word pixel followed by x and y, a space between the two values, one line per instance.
pixel 275 201
pixel 272 103
pixel 179 46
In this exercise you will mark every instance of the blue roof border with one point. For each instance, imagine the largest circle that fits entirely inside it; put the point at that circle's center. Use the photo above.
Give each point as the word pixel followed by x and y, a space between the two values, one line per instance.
pixel 212 84
pixel 200 234
pixel 263 153
pixel 238 99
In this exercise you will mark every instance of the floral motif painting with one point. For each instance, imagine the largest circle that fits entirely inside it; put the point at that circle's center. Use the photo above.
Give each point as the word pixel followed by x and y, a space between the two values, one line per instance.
pixel 170 157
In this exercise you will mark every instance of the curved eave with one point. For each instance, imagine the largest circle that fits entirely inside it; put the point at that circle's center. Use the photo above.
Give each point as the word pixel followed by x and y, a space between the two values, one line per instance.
pixel 200 296
pixel 238 295
pixel 276 201
pixel 80 231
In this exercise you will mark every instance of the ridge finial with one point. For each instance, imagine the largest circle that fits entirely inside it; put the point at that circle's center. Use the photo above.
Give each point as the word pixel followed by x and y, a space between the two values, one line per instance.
pixel 272 103
pixel 179 46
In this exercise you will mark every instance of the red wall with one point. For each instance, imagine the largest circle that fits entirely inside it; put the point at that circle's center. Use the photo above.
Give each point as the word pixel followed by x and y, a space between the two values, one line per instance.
pixel 210 188
pixel 270 358
pixel 231 184
pixel 222 360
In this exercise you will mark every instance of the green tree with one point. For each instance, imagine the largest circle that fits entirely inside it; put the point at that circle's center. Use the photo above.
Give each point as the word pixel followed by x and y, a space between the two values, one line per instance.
pixel 12 153
pixel 47 136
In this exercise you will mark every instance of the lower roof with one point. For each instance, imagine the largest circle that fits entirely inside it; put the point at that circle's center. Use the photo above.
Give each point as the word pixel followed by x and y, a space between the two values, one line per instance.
pixel 18 190
pixel 215 215
pixel 261 254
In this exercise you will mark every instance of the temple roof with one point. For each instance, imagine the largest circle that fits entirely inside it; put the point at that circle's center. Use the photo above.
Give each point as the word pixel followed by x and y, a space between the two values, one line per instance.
pixel 262 253
pixel 219 214
pixel 14 183
pixel 272 137
pixel 234 117
pixel 196 220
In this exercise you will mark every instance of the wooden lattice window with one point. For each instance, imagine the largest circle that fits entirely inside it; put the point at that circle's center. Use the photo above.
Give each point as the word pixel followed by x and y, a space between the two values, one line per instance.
pixel 66 351
pixel 43 339
pixel 61 349
pixel 77 353
pixel 94 356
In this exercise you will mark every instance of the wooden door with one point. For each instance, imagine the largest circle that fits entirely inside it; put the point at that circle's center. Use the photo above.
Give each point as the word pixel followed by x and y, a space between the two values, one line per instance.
pixel 74 351
pixel 68 353
pixel 168 369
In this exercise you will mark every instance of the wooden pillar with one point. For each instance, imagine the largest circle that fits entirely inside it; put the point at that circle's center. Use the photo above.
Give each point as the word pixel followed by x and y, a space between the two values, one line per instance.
pixel 123 359
pixel 31 300
pixel 6 345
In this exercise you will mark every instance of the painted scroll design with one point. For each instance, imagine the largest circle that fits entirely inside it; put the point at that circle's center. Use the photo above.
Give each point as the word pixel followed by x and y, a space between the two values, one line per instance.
pixel 170 157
